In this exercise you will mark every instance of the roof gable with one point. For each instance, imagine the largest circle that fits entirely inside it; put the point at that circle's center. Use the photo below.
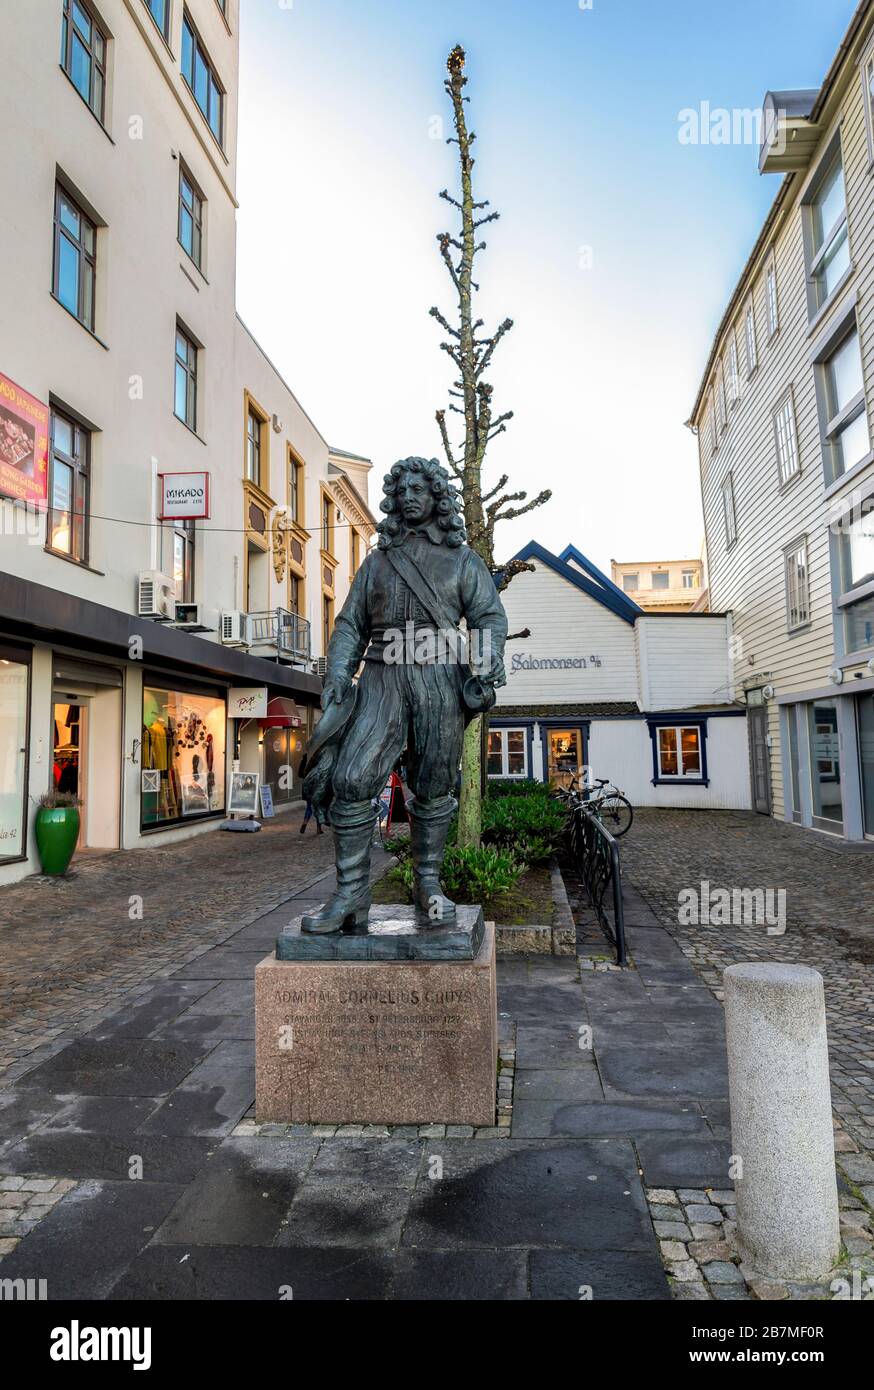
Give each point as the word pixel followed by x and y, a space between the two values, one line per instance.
pixel 600 588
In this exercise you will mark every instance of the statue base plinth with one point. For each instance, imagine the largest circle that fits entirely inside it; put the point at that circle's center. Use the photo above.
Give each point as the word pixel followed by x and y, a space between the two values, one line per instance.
pixel 377 1040
pixel 392 933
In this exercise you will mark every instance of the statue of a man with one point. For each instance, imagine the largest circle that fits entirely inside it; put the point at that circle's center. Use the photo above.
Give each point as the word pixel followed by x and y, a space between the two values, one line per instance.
pixel 414 694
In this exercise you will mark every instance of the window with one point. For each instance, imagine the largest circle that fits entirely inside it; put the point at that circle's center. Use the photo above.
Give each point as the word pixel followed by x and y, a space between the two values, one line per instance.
pixel 690 579
pixel 771 297
pixel 846 431
pixel 797 586
pixel 660 579
pixel 67 528
pixel 254 438
pixel 200 75
pixel 295 594
pixel 728 512
pixel 356 550
pixel 825 764
pixel 185 399
pixel 183 560
pixel 787 440
pixel 857 569
pixel 184 750
pixel 327 621
pixel 160 12
pixel 733 377
pixel 714 424
pixel 327 524
pixel 190 231
pixel 679 751
pixel 507 753
pixel 14 706
pixel 75 259
pixel 750 335
pixel 83 54
pixel 723 408
pixel 868 85
pixel 630 582
pixel 827 240
pixel 295 490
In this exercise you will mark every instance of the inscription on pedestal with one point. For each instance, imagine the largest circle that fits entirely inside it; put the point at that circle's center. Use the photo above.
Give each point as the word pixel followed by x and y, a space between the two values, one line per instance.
pixel 402 1042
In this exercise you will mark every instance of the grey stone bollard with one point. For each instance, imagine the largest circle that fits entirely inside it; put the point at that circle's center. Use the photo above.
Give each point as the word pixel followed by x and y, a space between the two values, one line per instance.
pixel 781 1119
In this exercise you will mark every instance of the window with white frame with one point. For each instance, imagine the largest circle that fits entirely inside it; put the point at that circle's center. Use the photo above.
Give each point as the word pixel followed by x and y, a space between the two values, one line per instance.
pixel 679 751
pixel 630 582
pixel 786 436
pixel 750 336
pixel 827 239
pixel 690 579
pixel 508 753
pixel 714 424
pixel 733 375
pixel 771 296
pixel 868 85
pixel 723 408
pixel 728 512
pixel 797 585
pixel 857 576
pixel 846 437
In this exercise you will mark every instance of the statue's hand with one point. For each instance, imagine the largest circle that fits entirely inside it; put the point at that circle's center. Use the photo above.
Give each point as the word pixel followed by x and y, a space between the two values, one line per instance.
pixel 497 676
pixel 335 690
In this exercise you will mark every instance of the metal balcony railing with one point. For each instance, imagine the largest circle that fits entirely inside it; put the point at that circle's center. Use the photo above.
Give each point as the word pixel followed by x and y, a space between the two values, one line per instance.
pixel 287 632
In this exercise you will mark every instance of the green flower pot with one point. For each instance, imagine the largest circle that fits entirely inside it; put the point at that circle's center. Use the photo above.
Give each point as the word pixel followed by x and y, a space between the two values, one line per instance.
pixel 57 830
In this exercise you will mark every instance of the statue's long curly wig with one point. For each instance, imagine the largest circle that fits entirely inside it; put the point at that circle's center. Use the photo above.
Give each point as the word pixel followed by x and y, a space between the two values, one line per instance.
pixel 449 516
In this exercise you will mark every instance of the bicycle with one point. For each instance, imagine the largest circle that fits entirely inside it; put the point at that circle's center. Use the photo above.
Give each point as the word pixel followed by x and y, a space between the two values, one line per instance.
pixel 612 809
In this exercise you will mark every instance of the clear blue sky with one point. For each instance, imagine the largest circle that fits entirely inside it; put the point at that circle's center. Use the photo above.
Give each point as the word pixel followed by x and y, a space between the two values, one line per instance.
pixel 576 112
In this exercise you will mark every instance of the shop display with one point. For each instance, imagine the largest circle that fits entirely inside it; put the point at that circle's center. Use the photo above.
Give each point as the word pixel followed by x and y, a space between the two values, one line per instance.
pixel 184 743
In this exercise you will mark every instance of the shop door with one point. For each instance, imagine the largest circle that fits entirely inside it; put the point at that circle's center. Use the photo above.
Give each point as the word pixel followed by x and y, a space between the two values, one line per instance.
pixel 865 716
pixel 565 756
pixel 69 759
pixel 278 765
pixel 760 758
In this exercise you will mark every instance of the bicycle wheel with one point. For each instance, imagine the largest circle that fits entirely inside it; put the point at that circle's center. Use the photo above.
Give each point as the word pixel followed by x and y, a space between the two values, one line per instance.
pixel 616 815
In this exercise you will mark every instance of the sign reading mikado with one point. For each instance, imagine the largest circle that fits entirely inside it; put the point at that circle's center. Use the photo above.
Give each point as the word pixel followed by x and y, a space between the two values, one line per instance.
pixel 24 444
pixel 184 496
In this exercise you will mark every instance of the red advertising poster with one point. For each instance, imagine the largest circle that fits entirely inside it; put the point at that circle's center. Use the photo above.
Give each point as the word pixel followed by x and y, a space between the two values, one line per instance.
pixel 24 444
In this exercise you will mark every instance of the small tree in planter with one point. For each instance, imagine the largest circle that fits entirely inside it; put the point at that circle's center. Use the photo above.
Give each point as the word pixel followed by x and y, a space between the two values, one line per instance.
pixel 57 830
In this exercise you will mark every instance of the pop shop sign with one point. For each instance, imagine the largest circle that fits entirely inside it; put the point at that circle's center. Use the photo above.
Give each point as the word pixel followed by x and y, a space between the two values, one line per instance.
pixel 184 496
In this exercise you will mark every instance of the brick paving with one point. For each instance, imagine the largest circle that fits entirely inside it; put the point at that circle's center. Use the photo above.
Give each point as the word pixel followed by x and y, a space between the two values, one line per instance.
pixel 75 947
pixel 829 924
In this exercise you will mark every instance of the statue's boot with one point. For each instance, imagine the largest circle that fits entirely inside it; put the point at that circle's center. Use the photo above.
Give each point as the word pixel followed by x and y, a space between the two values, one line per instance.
pixel 353 823
pixel 429 826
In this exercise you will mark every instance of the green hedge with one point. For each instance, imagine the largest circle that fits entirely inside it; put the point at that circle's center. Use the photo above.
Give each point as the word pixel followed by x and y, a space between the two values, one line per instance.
pixel 513 786
pixel 470 875
pixel 531 826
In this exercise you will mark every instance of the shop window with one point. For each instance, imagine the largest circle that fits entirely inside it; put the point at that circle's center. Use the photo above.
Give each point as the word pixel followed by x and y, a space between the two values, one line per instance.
pixel 825 764
pixel 865 717
pixel 565 757
pixel 183 761
pixel 14 692
pixel 83 54
pixel 67 529
pixel 507 753
pixel 679 751
pixel 283 754
pixel 75 259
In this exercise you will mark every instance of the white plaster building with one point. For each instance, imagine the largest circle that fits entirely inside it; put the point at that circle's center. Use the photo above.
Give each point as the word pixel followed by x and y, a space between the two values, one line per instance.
pixel 644 699
pixel 122 361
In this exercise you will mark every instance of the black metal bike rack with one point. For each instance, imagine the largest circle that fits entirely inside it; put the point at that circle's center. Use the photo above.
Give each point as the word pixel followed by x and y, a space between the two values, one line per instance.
pixel 596 857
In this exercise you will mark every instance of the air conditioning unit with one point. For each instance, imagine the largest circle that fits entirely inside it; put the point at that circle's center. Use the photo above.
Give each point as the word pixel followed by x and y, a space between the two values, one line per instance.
pixel 321 666
pixel 233 629
pixel 156 596
pixel 188 617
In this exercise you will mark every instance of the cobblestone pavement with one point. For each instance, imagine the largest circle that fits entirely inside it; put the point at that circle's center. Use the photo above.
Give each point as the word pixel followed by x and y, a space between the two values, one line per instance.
pixel 829 903
pixel 72 947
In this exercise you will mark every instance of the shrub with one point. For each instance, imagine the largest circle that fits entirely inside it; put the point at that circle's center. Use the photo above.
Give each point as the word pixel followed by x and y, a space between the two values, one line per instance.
pixel 524 786
pixel 531 826
pixel 54 800
pixel 470 875
pixel 398 844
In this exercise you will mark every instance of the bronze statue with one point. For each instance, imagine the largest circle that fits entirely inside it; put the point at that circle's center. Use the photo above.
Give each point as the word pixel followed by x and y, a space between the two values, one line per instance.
pixel 415 694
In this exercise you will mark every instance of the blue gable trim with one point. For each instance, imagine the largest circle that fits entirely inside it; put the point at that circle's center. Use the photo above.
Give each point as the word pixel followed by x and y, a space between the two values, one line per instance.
pixel 571 552
pixel 611 598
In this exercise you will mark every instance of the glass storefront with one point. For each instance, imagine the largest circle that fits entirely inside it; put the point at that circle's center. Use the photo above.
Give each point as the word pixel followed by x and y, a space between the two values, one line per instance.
pixel 183 763
pixel 14 689
pixel 283 753
pixel 865 719
pixel 825 764
pixel 565 756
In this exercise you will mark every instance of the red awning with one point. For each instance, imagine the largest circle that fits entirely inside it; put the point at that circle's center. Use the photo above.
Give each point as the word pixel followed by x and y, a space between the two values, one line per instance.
pixel 282 713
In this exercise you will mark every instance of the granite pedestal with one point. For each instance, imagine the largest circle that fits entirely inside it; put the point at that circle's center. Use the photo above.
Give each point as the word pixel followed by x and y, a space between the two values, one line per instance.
pixel 395 1025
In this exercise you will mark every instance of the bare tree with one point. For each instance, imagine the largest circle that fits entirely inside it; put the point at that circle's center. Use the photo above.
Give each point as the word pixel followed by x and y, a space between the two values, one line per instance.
pixel 471 349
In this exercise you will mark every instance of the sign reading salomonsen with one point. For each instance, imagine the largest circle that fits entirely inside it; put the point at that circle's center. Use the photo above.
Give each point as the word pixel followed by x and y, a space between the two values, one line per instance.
pixel 184 496
pixel 525 662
